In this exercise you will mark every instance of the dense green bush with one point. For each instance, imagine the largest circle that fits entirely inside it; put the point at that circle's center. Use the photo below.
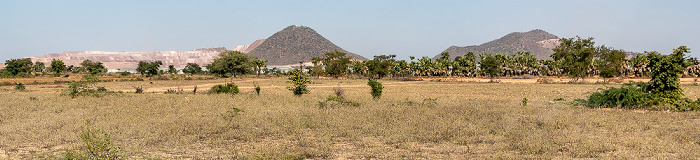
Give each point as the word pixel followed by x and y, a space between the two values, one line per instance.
pixel 662 92
pixel 225 88
pixel 376 88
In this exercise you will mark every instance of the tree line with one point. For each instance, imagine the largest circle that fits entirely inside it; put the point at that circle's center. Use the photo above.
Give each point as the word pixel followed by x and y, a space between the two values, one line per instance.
pixel 574 57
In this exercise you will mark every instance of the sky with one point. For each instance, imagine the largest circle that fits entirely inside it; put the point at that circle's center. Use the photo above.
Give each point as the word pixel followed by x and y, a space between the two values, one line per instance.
pixel 365 27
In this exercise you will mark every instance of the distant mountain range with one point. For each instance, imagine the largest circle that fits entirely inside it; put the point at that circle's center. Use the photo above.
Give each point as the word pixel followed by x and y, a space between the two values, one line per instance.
pixel 296 43
pixel 538 42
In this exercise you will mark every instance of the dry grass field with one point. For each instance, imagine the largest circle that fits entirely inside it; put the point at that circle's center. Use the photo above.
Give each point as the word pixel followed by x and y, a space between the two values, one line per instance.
pixel 412 120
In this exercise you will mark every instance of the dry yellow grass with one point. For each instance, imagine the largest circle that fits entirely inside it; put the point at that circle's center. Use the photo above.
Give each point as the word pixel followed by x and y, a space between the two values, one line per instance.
pixel 413 120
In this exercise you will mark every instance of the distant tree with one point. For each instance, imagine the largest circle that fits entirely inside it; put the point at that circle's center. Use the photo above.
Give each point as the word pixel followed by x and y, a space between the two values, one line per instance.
pixel 576 55
pixel 171 69
pixel 380 65
pixel 336 63
pixel 466 65
pixel 149 68
pixel 57 66
pixel 233 62
pixel 317 69
pixel 93 67
pixel 446 63
pixel 259 63
pixel 489 65
pixel 192 68
pixel 18 66
pixel 640 64
pixel 611 60
pixel 39 67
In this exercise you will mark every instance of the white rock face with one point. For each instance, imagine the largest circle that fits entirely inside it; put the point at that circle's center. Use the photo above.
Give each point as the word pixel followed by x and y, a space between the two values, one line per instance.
pixel 131 59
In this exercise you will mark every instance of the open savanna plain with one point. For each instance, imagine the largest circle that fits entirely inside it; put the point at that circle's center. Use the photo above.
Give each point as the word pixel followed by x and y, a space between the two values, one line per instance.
pixel 427 119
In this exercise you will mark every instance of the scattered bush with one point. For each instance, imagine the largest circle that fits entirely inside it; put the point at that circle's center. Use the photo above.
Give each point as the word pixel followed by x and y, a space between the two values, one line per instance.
pixel 20 87
pixel 227 88
pixel 231 114
pixel 334 101
pixel 175 91
pixel 124 73
pixel 97 145
pixel 524 101
pixel 101 89
pixel 299 79
pixel 376 88
pixel 139 89
pixel 257 90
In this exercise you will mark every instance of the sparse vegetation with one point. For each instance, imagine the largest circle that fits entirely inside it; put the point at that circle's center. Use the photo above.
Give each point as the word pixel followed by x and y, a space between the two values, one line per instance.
pixel 97 144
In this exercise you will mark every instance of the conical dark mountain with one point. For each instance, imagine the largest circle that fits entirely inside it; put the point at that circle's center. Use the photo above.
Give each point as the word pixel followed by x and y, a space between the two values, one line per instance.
pixel 296 43
pixel 538 42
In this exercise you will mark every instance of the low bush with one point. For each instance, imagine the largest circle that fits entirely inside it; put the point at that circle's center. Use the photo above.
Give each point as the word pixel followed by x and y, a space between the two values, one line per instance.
pixel 336 101
pixel 20 87
pixel 139 89
pixel 225 88
pixel 376 88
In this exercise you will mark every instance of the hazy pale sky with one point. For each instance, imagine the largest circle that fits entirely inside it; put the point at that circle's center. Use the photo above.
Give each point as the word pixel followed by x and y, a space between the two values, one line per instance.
pixel 366 27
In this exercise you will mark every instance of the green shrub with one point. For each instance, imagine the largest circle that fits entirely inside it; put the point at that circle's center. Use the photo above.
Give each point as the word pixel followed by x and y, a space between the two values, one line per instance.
pixel 376 88
pixel 257 90
pixel 20 87
pixel 97 144
pixel 663 91
pixel 524 101
pixel 225 88
pixel 299 79
pixel 101 89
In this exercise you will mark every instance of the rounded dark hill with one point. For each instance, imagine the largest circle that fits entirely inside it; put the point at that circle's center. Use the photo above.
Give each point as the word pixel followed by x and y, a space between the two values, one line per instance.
pixel 296 43
pixel 538 42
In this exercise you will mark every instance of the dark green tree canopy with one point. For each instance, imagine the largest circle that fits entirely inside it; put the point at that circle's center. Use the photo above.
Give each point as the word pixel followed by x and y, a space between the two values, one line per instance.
pixel 192 68
pixel 576 55
pixel 39 67
pixel 489 64
pixel 149 68
pixel 18 66
pixel 57 66
pixel 93 67
pixel 610 61
pixel 665 73
pixel 230 62
pixel 380 65
pixel 171 69
pixel 336 63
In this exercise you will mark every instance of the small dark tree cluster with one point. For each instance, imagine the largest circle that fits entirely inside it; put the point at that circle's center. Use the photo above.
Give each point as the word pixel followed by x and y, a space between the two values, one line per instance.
pixel 225 88
pixel 149 68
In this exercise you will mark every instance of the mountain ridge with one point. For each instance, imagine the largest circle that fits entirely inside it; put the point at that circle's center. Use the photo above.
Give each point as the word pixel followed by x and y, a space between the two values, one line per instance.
pixel 538 42
pixel 296 43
